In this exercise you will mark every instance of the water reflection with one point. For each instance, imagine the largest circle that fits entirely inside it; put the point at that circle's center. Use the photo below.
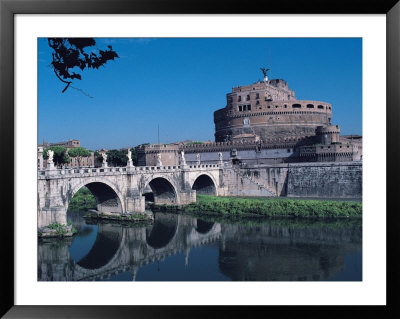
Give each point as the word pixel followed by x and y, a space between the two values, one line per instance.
pixel 180 247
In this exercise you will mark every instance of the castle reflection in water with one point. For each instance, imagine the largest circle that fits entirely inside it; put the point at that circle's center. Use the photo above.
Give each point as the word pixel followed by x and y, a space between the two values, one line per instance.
pixel 271 250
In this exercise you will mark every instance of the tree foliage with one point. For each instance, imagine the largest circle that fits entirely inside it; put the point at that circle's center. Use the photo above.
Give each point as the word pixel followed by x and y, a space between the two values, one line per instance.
pixel 134 156
pixel 79 153
pixel 117 157
pixel 60 156
pixel 98 157
pixel 73 54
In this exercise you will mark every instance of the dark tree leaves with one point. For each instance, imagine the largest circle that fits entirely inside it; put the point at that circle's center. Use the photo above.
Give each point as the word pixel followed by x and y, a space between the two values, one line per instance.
pixel 117 157
pixel 73 54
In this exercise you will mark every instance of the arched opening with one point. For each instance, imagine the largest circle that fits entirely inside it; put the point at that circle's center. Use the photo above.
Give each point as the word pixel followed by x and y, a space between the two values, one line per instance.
pixel 204 185
pixel 107 200
pixel 162 192
pixel 104 248
pixel 148 195
pixel 162 231
pixel 203 227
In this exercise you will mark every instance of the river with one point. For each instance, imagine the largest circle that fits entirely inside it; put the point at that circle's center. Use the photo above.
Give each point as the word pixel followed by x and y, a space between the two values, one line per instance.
pixel 189 248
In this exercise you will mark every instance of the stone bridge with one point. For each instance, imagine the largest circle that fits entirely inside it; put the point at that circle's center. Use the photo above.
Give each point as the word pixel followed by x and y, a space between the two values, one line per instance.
pixel 120 189
pixel 125 249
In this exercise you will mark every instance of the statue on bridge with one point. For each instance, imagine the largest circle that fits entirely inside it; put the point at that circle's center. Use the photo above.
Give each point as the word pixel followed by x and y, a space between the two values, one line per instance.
pixel 183 161
pixel 104 159
pixel 50 155
pixel 129 155
pixel 159 162
pixel 220 157
pixel 198 158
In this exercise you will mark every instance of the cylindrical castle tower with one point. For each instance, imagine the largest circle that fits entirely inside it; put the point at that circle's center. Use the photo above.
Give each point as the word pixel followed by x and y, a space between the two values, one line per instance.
pixel 328 134
pixel 269 110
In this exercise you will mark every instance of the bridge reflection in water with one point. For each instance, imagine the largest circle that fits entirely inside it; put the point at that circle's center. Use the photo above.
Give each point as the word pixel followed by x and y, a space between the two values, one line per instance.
pixel 188 248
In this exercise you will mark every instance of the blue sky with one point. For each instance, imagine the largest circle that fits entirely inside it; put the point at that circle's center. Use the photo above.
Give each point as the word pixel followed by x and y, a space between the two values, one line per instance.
pixel 177 84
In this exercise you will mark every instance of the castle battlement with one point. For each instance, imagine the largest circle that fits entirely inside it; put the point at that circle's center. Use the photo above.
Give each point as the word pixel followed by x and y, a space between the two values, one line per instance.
pixel 269 109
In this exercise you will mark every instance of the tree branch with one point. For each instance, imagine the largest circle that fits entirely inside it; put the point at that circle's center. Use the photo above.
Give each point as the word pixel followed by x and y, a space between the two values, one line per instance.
pixel 68 82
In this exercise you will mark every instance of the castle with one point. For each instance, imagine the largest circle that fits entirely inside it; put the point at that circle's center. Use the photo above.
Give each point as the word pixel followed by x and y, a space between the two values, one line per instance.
pixel 264 123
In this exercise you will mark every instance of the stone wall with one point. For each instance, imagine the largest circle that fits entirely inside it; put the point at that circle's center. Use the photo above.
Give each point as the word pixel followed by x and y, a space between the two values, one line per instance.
pixel 341 180
pixel 309 180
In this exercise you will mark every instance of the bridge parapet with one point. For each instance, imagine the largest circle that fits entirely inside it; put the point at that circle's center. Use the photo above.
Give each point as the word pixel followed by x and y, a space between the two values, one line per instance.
pixel 101 171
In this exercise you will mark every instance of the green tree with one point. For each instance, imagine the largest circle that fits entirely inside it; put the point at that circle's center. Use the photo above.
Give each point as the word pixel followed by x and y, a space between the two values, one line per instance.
pixel 98 157
pixel 134 156
pixel 117 157
pixel 72 54
pixel 79 153
pixel 60 155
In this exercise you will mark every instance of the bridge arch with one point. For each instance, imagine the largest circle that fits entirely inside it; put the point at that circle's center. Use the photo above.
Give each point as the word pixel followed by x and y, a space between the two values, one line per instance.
pixel 164 190
pixel 203 227
pixel 163 230
pixel 108 243
pixel 109 198
pixel 204 183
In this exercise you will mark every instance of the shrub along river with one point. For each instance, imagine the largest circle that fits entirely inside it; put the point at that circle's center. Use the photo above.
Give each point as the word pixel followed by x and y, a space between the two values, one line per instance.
pixel 192 246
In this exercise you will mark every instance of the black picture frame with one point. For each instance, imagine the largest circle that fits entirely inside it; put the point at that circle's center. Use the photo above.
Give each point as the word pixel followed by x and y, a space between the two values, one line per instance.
pixel 8 9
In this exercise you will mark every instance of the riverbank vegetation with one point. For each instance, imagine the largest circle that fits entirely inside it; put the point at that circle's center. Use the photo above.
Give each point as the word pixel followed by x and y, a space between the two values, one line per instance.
pixel 292 223
pixel 83 200
pixel 272 207
pixel 57 230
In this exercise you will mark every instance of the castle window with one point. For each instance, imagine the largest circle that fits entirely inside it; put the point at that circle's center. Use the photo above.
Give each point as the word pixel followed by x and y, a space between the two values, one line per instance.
pixel 257 95
pixel 320 106
pixel 285 106
pixel 276 106
pixel 248 97
pixel 310 106
pixel 240 108
pixel 296 106
pixel 269 106
pixel 249 107
pixel 258 102
pixel 288 97
pixel 239 98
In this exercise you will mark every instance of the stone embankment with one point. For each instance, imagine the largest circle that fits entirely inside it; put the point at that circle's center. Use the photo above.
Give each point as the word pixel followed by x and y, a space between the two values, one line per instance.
pixel 124 217
pixel 56 230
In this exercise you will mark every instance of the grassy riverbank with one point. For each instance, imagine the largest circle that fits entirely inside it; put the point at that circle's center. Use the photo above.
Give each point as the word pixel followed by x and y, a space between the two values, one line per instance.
pixel 271 207
pixel 82 200
pixel 297 223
